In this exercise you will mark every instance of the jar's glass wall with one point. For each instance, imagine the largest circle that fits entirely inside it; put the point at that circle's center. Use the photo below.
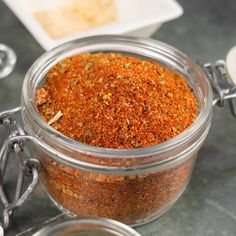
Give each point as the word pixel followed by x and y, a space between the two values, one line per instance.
pixel 132 186
pixel 132 199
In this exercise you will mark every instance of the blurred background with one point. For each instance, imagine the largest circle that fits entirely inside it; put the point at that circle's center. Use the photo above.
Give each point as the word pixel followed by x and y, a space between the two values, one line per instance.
pixel 205 32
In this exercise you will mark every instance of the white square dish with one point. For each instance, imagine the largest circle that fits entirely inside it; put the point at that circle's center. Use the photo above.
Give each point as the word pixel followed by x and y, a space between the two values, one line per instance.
pixel 135 17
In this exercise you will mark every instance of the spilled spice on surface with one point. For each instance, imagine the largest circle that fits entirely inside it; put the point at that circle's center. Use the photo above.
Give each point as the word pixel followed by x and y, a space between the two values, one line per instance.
pixel 121 101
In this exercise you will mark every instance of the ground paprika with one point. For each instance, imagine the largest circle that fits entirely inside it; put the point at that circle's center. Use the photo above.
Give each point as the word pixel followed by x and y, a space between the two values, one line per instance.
pixel 115 101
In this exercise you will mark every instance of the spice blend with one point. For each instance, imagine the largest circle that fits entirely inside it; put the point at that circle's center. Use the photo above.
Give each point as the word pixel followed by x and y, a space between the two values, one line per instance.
pixel 75 16
pixel 115 101
pixel 130 199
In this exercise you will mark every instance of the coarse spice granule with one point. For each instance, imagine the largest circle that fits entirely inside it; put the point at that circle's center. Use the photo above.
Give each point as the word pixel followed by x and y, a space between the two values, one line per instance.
pixel 115 101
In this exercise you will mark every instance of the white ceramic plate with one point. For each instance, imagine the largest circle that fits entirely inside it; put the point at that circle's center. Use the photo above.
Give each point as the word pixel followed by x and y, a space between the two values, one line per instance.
pixel 231 64
pixel 135 17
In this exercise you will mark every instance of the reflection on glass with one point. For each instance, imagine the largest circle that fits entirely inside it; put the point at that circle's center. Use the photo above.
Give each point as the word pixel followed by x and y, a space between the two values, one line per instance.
pixel 7 60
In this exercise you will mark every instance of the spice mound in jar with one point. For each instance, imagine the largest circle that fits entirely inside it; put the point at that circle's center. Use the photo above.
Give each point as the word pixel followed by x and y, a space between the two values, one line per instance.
pixel 115 101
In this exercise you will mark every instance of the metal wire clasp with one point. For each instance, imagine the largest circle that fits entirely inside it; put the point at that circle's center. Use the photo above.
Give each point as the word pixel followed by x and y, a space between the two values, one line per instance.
pixel 223 87
pixel 28 167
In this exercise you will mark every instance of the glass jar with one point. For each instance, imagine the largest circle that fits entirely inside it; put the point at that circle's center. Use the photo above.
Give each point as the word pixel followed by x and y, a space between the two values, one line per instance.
pixel 133 186
pixel 87 227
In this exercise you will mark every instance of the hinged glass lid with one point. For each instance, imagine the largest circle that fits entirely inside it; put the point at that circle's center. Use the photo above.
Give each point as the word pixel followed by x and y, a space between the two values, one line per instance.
pixel 88 227
pixel 7 60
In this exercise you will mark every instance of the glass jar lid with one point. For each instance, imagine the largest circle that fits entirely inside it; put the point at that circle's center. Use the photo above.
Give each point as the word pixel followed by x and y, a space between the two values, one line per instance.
pixel 7 60
pixel 88 227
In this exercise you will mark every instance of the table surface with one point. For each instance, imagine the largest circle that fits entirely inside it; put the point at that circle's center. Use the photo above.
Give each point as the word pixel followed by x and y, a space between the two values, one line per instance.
pixel 205 32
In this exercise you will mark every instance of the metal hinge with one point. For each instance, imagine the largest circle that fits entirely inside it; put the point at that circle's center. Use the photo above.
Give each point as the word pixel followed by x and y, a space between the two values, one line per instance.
pixel 223 87
pixel 28 167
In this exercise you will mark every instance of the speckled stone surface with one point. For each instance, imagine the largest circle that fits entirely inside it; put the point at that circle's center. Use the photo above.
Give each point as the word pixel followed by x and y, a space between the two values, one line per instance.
pixel 206 31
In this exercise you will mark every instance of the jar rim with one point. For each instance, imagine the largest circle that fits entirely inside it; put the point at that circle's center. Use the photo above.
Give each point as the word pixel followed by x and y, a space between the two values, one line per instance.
pixel 152 45
pixel 88 224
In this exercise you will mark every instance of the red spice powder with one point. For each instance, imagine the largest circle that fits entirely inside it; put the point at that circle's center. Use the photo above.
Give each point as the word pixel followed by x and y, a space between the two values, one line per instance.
pixel 130 199
pixel 115 101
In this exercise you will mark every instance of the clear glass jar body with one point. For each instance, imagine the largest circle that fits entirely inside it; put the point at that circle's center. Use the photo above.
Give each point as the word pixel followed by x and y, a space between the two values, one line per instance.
pixel 133 186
